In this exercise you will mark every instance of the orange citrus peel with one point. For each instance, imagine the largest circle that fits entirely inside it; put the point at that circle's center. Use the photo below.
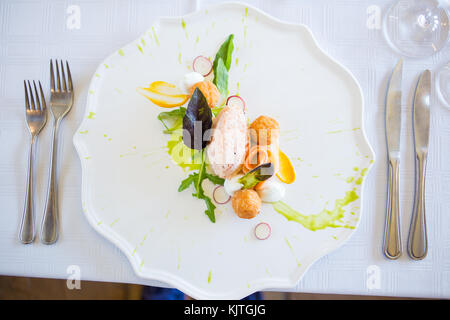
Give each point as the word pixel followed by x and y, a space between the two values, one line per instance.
pixel 163 94
pixel 286 172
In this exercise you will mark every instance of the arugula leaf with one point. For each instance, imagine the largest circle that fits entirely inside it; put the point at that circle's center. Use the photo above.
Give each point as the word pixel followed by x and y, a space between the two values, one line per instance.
pixel 215 179
pixel 201 172
pixel 210 209
pixel 187 182
pixel 196 179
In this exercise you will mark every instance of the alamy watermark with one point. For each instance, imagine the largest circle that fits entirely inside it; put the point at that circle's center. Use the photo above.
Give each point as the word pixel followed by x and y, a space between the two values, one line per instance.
pixel 373 277
pixel 73 20
pixel 74 277
pixel 373 17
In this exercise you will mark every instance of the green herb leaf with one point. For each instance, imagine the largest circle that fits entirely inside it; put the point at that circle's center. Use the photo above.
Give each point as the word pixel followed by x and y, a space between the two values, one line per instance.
pixel 196 179
pixel 187 182
pixel 222 64
pixel 215 179
pixel 225 53
pixel 216 111
pixel 260 173
pixel 201 176
pixel 175 117
pixel 221 78
pixel 210 209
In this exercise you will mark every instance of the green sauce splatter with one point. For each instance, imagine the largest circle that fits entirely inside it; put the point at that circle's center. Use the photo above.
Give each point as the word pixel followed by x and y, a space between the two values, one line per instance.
pixel 322 220
pixel 114 222
pixel 182 155
pixel 140 48
pixel 154 35
pixel 91 115
pixel 183 25
pixel 121 52
pixel 209 276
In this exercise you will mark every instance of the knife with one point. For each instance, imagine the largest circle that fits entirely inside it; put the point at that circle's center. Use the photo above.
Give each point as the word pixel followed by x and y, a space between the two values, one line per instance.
pixel 392 243
pixel 417 238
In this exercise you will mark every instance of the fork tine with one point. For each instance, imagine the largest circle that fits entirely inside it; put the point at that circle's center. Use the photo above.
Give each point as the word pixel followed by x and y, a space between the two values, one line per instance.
pixel 27 101
pixel 69 77
pixel 52 77
pixel 58 78
pixel 38 101
pixel 63 77
pixel 44 105
pixel 31 96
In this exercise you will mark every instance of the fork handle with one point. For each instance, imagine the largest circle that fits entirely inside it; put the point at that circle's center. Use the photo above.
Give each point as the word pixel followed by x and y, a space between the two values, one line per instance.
pixel 392 243
pixel 417 239
pixel 26 231
pixel 49 227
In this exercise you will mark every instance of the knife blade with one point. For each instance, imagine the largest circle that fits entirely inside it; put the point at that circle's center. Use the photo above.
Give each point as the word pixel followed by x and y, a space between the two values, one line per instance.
pixel 417 238
pixel 392 242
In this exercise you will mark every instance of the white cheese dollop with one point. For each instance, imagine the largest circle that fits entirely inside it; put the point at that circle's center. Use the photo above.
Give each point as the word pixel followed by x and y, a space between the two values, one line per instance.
pixel 271 191
pixel 189 80
pixel 232 185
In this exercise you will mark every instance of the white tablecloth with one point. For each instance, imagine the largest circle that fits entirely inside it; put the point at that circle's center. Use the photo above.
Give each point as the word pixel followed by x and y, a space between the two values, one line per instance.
pixel 32 32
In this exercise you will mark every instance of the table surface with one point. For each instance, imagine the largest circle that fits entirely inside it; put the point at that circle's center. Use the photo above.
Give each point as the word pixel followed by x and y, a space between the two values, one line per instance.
pixel 33 32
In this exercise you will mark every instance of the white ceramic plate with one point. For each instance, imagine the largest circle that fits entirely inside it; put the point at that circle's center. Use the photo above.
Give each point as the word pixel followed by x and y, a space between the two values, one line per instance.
pixel 129 184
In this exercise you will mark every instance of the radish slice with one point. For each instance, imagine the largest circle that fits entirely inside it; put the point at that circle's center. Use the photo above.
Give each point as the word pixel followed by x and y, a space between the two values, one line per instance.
pixel 202 65
pixel 262 231
pixel 236 101
pixel 220 197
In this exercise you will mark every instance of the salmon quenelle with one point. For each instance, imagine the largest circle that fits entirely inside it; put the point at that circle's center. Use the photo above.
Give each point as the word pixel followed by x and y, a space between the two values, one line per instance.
pixel 226 152
pixel 212 137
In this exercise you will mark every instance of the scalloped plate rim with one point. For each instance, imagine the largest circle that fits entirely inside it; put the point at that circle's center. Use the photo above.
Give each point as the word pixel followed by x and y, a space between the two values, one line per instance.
pixel 169 278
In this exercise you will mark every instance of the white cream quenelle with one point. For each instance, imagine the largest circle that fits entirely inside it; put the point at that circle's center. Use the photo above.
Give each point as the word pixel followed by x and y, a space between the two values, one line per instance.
pixel 232 185
pixel 226 152
pixel 189 80
pixel 271 191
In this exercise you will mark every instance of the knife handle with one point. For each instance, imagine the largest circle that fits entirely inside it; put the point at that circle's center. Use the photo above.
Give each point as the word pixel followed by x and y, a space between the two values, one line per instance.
pixel 417 238
pixel 392 243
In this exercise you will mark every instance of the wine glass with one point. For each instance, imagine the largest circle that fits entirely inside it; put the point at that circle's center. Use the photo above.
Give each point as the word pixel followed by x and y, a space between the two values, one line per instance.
pixel 419 29
pixel 443 84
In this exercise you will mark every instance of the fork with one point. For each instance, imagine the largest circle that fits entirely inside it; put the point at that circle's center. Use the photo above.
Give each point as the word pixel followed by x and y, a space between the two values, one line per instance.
pixel 36 116
pixel 61 100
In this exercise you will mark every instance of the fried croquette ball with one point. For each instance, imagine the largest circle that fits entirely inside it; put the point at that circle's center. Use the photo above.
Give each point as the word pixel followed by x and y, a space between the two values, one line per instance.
pixel 264 130
pixel 246 203
pixel 209 90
